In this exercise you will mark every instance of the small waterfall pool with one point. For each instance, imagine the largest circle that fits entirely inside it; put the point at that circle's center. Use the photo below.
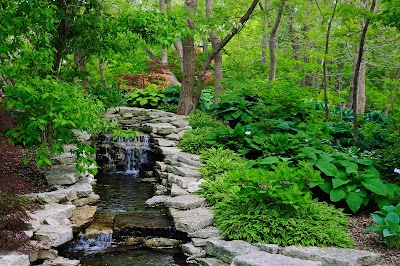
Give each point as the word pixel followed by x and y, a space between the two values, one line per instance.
pixel 122 221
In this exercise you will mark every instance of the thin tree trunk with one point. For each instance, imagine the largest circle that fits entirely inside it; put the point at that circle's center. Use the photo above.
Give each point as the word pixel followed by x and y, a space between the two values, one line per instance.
pixel 217 49
pixel 101 70
pixel 391 99
pixel 164 54
pixel 324 81
pixel 185 105
pixel 356 74
pixel 80 65
pixel 171 76
pixel 264 39
pixel 179 50
pixel 273 42
pixel 218 74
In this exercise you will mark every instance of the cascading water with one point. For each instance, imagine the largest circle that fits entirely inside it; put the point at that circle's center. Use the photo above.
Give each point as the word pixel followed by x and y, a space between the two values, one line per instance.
pixel 122 221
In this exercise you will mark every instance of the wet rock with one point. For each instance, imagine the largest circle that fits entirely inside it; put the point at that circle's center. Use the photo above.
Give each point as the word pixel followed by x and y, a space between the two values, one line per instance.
pixel 13 258
pixel 54 235
pixel 132 241
pixel 190 250
pixel 260 258
pixel 140 223
pixel 185 202
pixel 332 256
pixel 161 166
pixel 156 201
pixel 57 212
pixel 160 243
pixel 207 232
pixel 60 261
pixel 227 250
pixel 102 223
pixel 191 220
pixel 82 216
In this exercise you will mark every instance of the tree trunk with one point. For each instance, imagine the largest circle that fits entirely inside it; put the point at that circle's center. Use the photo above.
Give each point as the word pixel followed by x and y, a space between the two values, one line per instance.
pixel 264 38
pixel 324 80
pixel 218 74
pixel 273 42
pixel 101 70
pixel 80 65
pixel 164 54
pixel 171 76
pixel 356 75
pixel 185 105
pixel 391 99
pixel 179 50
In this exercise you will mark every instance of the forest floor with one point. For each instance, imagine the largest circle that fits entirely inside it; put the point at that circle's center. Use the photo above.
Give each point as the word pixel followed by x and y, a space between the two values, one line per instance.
pixel 28 178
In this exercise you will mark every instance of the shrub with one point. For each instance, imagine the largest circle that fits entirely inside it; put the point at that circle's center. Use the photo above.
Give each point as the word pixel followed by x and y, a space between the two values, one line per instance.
pixel 315 224
pixel 150 97
pixel 388 225
pixel 218 161
pixel 195 140
pixel 171 94
pixel 200 119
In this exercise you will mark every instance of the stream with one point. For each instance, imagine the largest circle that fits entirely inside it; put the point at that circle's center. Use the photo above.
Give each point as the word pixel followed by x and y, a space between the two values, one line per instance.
pixel 122 222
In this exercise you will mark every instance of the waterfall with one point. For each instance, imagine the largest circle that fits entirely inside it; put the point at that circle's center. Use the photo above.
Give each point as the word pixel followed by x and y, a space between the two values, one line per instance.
pixel 124 155
pixel 102 241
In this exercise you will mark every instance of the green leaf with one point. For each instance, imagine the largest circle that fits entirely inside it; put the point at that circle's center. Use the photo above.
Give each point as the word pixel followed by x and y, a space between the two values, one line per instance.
pixel 354 201
pixel 326 166
pixel 47 161
pixel 25 160
pixel 337 194
pixel 337 182
pixel 375 185
pixel 377 219
pixel 270 160
pixel 326 186
pixel 386 232
pixel 372 229
pixel 350 167
pixel 391 216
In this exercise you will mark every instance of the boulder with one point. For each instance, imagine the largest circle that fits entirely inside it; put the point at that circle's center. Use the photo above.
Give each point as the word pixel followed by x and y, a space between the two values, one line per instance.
pixel 190 250
pixel 160 243
pixel 57 196
pixel 210 262
pixel 182 181
pixel 159 128
pixel 60 261
pixel 184 171
pixel 90 199
pixel 156 200
pixel 178 191
pixel 207 232
pixel 82 216
pixel 270 248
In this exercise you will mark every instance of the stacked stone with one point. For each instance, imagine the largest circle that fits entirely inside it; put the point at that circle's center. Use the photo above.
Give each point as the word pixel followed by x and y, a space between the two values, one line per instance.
pixel 65 209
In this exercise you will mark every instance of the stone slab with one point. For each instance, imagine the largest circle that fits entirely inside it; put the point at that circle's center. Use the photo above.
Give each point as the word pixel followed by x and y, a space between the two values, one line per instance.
pixel 190 250
pixel 207 232
pixel 191 220
pixel 54 235
pixel 178 191
pixel 159 128
pixel 168 150
pixel 194 187
pixel 270 248
pixel 182 181
pixel 82 216
pixel 260 258
pixel 185 202
pixel 210 262
pixel 332 256
pixel 184 171
pixel 156 200
pixel 60 261
pixel 227 250
pixel 165 142
pixel 13 258
pixel 58 212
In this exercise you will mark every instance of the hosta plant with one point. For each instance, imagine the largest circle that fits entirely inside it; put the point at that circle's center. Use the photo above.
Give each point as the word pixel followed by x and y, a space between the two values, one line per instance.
pixel 387 225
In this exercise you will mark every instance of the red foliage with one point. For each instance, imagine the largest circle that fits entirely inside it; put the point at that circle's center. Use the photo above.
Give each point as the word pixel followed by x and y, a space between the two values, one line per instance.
pixel 134 80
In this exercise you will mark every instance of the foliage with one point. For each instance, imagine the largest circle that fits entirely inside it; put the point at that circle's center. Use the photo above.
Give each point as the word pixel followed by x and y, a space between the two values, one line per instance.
pixel 353 179
pixel 239 107
pixel 388 225
pixel 218 161
pixel 171 94
pixel 49 109
pixel 195 141
pixel 109 96
pixel 150 97
pixel 206 100
pixel 200 119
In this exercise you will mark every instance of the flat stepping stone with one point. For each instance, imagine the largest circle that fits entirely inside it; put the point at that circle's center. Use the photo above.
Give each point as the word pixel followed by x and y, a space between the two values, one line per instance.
pixel 178 191
pixel 191 220
pixel 159 128
pixel 185 202
pixel 191 250
pixel 61 261
pixel 165 142
pixel 190 159
pixel 182 181
pixel 156 200
pixel 260 258
pixel 333 256
pixel 210 262
pixel 184 171
pixel 207 232
pixel 58 212
pixel 270 248
pixel 193 187
pixel 168 150
pixel 227 250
